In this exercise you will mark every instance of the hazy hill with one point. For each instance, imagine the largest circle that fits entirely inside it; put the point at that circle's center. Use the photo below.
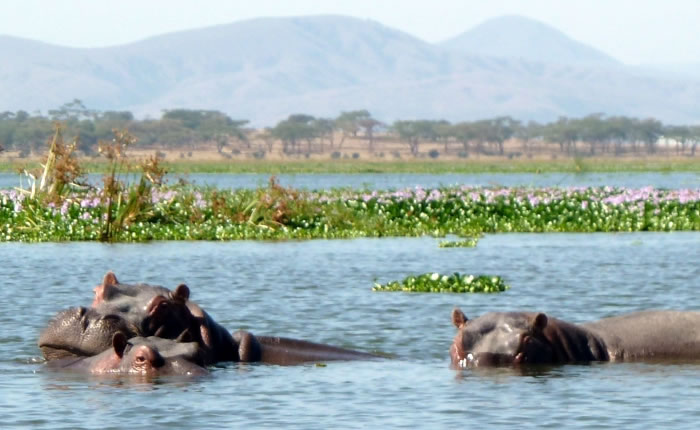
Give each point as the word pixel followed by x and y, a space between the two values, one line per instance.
pixel 265 69
pixel 513 36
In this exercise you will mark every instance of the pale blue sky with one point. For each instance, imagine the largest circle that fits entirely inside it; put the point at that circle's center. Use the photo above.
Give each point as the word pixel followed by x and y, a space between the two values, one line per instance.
pixel 633 31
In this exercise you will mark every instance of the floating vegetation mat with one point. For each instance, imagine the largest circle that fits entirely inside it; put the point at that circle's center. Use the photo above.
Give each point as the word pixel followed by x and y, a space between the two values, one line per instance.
pixel 278 213
pixel 437 283
pixel 464 243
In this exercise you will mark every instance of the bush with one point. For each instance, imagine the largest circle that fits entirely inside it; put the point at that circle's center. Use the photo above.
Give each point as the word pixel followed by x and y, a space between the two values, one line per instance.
pixel 434 153
pixel 463 154
pixel 355 155
pixel 259 155
pixel 335 155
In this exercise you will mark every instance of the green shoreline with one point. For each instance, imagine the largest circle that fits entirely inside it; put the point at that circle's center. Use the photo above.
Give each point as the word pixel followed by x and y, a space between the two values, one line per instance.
pixel 603 165
pixel 277 213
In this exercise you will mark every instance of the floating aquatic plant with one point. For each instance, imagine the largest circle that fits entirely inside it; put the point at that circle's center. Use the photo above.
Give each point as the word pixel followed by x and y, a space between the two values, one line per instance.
pixel 464 243
pixel 273 212
pixel 437 283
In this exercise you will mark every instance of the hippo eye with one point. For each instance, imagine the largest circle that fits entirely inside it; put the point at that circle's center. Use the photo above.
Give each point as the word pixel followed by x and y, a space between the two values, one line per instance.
pixel 140 359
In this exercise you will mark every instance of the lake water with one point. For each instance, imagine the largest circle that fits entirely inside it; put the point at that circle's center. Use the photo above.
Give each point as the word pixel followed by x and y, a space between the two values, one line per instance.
pixel 385 181
pixel 321 291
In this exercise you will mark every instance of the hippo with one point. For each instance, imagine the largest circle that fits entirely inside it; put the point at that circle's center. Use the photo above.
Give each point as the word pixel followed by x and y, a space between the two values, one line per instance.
pixel 138 356
pixel 147 310
pixel 516 338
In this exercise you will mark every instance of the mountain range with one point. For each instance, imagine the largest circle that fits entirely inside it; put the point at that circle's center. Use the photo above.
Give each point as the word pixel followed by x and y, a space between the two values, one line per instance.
pixel 267 68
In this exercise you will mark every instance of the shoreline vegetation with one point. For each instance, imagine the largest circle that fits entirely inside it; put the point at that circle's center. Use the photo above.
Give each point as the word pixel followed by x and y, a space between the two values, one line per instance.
pixel 496 165
pixel 207 141
pixel 143 213
pixel 60 206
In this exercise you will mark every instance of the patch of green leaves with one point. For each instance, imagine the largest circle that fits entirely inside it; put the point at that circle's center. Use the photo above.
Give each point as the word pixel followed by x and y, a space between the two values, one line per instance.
pixel 437 283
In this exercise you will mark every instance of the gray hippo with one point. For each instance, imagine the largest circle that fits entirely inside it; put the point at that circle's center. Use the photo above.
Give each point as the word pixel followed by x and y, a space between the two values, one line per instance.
pixel 513 338
pixel 147 310
pixel 138 356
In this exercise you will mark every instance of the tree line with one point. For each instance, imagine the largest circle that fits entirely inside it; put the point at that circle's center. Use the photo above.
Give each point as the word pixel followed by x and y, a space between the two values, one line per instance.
pixel 305 134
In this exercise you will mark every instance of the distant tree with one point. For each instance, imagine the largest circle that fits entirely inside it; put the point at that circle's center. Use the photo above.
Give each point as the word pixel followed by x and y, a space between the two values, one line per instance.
pixel 209 125
pixel 324 129
pixel 293 130
pixel 499 130
pixel 649 131
pixel 694 139
pixel 369 124
pixel 464 133
pixel 680 134
pixel 349 123
pixel 72 111
pixel 412 132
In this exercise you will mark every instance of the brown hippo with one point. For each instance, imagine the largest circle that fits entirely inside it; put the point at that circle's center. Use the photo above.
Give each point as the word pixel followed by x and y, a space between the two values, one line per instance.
pixel 513 338
pixel 138 356
pixel 147 310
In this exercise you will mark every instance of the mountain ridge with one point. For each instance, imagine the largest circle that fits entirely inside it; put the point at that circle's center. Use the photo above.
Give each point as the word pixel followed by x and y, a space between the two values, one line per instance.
pixel 267 68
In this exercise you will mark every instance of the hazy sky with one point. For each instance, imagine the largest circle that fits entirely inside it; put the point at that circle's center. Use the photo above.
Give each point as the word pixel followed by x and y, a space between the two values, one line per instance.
pixel 633 31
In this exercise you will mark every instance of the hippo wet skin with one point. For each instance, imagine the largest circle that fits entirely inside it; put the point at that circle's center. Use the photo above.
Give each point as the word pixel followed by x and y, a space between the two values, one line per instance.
pixel 514 338
pixel 138 356
pixel 147 310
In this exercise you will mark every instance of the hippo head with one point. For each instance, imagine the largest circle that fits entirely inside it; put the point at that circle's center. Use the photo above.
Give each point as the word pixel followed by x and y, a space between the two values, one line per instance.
pixel 500 339
pixel 154 356
pixel 134 310
pixel 81 332
pixel 153 310
pixel 139 356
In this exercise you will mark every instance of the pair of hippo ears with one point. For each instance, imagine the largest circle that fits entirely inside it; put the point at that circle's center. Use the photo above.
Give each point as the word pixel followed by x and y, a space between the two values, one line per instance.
pixel 459 319
pixel 181 293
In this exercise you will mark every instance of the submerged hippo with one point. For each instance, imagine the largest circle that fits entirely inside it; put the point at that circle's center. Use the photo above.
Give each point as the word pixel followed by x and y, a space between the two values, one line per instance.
pixel 138 356
pixel 147 310
pixel 512 338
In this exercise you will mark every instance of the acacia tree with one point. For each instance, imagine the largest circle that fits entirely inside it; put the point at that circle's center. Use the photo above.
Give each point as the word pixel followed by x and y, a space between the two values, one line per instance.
pixel 293 130
pixel 324 129
pixel 412 132
pixel 210 125
pixel 465 133
pixel 349 123
pixel 369 124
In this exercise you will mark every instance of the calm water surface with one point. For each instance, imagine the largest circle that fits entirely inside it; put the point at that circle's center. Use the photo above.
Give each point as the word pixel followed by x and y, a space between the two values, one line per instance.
pixel 383 181
pixel 321 291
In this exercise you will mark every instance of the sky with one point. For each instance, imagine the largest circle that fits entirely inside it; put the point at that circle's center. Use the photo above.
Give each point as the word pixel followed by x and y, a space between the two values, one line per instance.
pixel 633 31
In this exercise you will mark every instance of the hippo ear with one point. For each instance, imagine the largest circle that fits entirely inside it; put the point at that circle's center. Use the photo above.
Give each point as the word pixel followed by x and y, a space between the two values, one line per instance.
pixel 110 279
pixel 119 343
pixel 182 293
pixel 184 337
pixel 103 292
pixel 540 322
pixel 458 317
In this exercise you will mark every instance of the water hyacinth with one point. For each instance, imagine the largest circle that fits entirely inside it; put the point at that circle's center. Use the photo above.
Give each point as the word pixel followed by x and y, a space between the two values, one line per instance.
pixel 464 243
pixel 275 212
pixel 437 283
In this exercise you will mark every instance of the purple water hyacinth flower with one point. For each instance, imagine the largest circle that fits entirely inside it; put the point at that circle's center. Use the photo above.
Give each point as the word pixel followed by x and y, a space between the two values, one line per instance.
pixel 434 195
